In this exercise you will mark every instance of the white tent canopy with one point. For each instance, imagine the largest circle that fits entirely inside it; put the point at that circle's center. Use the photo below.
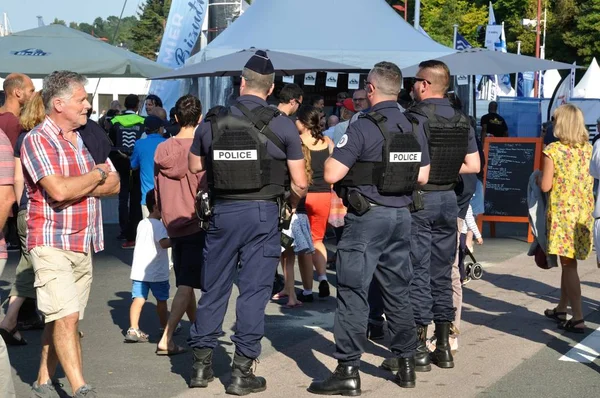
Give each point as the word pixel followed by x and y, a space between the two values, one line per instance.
pixel 589 85
pixel 373 32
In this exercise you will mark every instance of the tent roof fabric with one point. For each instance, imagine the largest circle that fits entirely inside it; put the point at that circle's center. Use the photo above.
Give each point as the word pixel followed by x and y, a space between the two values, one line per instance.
pixel 589 85
pixel 277 25
pixel 481 61
pixel 40 51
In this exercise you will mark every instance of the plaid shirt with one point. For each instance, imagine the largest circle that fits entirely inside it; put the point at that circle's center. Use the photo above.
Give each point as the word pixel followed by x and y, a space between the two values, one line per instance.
pixel 46 152
pixel 7 177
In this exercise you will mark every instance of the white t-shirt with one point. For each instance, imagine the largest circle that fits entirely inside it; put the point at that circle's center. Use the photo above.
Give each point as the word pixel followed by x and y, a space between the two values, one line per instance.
pixel 150 261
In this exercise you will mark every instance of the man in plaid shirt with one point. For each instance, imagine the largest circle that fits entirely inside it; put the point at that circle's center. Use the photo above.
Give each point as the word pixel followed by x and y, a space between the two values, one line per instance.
pixel 64 223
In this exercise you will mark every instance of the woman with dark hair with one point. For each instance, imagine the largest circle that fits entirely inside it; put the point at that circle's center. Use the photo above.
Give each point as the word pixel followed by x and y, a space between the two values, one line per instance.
pixel 152 101
pixel 318 200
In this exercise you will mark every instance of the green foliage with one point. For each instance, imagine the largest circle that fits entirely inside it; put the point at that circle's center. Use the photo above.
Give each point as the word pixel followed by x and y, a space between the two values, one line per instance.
pixel 58 22
pixel 148 32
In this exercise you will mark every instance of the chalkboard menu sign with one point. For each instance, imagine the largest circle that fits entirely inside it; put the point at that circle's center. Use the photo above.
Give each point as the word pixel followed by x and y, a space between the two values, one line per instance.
pixel 509 163
pixel 508 168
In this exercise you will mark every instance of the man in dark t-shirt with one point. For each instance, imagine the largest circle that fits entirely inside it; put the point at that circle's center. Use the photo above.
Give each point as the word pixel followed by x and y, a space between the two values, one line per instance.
pixel 492 123
pixel 18 89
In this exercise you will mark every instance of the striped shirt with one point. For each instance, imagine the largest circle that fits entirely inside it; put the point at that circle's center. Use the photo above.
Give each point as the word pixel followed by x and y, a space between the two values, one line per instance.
pixel 7 177
pixel 47 152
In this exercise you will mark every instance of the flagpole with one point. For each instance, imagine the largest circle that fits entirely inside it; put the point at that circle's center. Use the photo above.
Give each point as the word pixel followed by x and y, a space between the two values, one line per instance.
pixel 537 47
pixel 417 21
pixel 455 33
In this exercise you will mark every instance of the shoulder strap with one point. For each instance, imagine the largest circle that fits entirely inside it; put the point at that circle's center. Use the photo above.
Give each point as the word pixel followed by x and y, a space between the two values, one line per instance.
pixel 262 123
pixel 379 120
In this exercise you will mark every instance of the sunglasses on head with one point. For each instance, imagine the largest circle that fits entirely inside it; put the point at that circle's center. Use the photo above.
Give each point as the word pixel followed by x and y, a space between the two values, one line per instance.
pixel 420 79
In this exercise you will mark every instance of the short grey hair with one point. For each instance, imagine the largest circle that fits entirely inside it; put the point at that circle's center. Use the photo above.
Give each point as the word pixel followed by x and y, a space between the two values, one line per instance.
pixel 257 82
pixel 60 84
pixel 388 77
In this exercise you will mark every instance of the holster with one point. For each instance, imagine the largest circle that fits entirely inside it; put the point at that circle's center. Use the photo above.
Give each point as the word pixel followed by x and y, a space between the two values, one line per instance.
pixel 358 202
pixel 203 208
pixel 285 213
pixel 417 202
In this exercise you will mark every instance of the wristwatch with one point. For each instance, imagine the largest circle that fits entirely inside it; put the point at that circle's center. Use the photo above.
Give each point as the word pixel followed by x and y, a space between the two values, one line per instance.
pixel 102 175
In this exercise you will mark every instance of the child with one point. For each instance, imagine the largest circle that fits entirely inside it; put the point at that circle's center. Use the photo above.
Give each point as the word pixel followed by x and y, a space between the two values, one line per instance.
pixel 150 270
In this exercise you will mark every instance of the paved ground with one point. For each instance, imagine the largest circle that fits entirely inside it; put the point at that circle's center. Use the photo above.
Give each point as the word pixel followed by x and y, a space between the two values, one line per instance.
pixel 507 347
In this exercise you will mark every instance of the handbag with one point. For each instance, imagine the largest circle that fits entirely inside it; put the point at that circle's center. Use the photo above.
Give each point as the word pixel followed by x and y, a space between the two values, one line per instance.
pixel 337 211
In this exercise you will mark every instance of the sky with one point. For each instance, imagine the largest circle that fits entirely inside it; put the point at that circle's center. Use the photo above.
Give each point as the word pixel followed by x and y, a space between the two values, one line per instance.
pixel 22 13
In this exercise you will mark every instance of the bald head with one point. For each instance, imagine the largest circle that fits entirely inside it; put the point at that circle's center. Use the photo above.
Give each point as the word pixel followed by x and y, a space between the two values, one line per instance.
pixel 18 88
pixel 159 112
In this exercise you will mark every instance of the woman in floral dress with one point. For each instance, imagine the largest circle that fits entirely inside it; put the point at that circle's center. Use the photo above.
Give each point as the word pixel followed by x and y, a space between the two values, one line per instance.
pixel 570 205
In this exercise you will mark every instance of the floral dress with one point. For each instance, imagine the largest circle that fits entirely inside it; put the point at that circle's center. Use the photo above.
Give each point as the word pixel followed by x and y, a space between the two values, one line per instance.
pixel 571 201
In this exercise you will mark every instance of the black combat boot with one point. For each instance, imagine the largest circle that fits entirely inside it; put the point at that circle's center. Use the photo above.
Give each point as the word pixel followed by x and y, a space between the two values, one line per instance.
pixel 375 332
pixel 422 359
pixel 406 377
pixel 442 356
pixel 202 372
pixel 243 380
pixel 345 380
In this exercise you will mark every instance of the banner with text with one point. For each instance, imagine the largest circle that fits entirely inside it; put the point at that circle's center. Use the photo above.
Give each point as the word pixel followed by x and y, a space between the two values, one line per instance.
pixel 181 33
pixel 310 79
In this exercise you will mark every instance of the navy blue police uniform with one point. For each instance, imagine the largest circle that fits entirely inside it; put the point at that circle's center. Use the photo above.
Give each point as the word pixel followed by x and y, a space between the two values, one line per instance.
pixel 375 245
pixel 434 228
pixel 244 232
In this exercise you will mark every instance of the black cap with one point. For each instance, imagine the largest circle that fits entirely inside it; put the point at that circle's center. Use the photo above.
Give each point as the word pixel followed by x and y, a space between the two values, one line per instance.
pixel 260 63
pixel 153 123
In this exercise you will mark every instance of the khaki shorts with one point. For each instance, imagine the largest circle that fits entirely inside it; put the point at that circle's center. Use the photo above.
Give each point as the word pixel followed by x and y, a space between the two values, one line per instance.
pixel 62 281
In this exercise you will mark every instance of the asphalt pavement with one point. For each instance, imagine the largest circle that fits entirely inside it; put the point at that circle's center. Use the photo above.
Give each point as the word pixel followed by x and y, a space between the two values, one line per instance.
pixel 507 348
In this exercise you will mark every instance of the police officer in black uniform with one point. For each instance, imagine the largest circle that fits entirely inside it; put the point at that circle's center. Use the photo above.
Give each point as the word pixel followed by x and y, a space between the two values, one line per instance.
pixel 247 150
pixel 453 150
pixel 375 165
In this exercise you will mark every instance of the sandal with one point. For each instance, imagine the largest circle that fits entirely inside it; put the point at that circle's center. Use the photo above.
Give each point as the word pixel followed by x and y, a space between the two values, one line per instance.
pixel 10 339
pixel 279 296
pixel 178 350
pixel 135 335
pixel 291 306
pixel 558 316
pixel 569 326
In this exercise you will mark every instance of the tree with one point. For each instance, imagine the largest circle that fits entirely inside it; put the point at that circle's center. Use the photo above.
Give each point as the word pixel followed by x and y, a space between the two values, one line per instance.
pixel 439 16
pixel 585 37
pixel 58 22
pixel 148 32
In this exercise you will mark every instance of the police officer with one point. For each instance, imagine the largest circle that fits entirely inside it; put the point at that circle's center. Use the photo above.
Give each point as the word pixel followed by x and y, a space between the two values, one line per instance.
pixel 375 176
pixel 453 150
pixel 247 150
pixel 125 130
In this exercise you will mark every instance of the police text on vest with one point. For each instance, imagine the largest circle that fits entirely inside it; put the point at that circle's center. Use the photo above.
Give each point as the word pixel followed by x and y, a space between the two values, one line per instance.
pixel 248 154
pixel 402 157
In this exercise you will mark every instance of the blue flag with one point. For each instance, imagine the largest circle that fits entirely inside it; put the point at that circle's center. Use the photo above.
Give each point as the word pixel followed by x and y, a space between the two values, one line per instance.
pixel 462 43
pixel 182 30
pixel 525 84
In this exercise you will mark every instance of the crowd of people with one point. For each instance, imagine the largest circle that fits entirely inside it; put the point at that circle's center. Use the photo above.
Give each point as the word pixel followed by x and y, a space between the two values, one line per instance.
pixel 213 198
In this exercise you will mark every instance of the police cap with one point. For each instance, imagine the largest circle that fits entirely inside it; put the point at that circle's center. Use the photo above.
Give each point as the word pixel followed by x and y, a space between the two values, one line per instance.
pixel 260 63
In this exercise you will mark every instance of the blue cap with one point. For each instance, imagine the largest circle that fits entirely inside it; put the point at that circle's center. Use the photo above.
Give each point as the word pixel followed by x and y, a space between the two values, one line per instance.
pixel 260 63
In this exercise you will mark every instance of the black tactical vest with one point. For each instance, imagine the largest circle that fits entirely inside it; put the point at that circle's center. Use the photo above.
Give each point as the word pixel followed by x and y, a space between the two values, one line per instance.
pixel 240 167
pixel 448 142
pixel 397 172
pixel 130 128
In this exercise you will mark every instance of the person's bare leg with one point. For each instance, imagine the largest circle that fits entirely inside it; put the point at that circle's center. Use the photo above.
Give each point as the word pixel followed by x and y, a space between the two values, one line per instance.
pixel 305 264
pixel 163 312
pixel 290 280
pixel 319 258
pixel 192 306
pixel 68 349
pixel 469 241
pixel 563 303
pixel 180 305
pixel 49 360
pixel 12 313
pixel 135 311
pixel 573 287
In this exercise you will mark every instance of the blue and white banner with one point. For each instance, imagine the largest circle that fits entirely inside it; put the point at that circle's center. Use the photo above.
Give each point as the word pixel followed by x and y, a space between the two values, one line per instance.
pixel 183 28
pixel 525 84
pixel 462 43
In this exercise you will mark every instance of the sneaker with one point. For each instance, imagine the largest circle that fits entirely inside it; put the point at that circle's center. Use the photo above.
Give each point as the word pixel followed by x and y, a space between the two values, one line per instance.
pixel 306 298
pixel 43 390
pixel 324 289
pixel 135 336
pixel 85 391
pixel 128 245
